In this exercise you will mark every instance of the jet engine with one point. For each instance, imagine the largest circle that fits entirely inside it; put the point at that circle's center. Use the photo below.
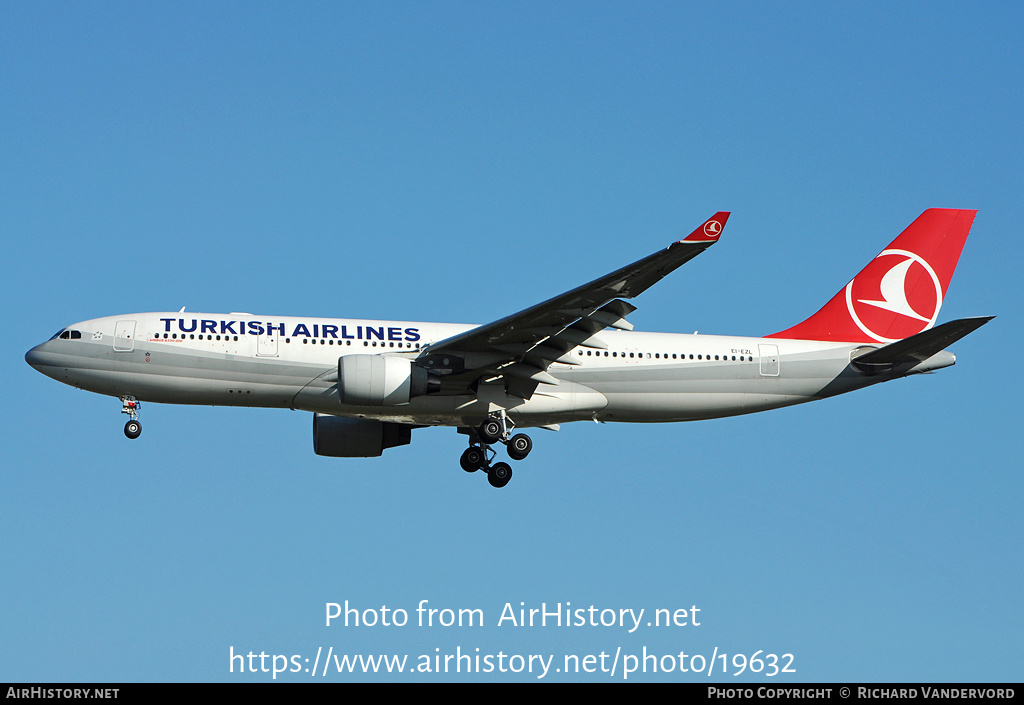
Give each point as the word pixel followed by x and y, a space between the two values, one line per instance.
pixel 379 380
pixel 340 437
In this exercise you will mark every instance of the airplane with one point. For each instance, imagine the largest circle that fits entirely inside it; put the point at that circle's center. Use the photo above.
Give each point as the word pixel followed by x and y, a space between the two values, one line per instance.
pixel 574 357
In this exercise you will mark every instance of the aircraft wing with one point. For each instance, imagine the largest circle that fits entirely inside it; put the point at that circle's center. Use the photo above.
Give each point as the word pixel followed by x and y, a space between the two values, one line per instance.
pixel 522 346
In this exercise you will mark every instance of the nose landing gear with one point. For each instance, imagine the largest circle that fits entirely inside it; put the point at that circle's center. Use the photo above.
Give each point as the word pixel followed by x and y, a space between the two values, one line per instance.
pixel 130 405
pixel 495 429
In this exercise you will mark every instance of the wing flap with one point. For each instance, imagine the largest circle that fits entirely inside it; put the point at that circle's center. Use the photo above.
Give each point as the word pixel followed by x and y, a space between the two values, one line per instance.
pixel 522 388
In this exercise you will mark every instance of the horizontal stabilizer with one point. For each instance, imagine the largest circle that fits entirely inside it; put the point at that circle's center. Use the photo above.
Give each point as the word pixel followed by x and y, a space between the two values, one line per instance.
pixel 920 347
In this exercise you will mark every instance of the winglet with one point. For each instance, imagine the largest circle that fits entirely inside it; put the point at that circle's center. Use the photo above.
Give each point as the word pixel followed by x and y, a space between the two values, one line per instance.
pixel 710 230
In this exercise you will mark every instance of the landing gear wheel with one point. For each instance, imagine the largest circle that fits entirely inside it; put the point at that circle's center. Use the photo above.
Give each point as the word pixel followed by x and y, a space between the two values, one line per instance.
pixel 130 405
pixel 499 474
pixel 473 458
pixel 519 446
pixel 490 431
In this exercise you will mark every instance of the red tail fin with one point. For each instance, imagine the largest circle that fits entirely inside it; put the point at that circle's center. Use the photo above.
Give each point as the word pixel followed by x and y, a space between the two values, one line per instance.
pixel 900 292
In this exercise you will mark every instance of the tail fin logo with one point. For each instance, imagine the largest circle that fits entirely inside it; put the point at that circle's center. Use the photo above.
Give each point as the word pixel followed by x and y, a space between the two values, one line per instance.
pixel 891 298
pixel 712 228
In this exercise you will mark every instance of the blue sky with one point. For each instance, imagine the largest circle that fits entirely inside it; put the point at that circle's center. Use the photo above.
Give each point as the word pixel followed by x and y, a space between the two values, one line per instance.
pixel 459 162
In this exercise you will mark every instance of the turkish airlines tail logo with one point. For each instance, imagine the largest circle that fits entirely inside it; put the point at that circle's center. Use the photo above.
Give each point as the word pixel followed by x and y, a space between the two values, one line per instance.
pixel 894 292
pixel 889 315
pixel 900 292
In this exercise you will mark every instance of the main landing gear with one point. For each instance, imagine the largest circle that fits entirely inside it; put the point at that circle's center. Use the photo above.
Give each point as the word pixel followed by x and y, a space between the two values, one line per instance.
pixel 495 429
pixel 130 405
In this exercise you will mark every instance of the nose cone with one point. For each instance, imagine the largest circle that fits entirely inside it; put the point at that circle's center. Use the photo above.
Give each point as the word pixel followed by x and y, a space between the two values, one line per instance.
pixel 43 357
pixel 52 359
pixel 35 356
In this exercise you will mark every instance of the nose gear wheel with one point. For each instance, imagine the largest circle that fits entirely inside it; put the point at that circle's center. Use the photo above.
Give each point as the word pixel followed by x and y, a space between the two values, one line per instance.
pixel 130 405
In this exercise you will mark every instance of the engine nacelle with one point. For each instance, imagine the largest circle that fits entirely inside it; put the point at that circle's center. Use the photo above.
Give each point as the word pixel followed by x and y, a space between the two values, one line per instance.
pixel 378 380
pixel 340 437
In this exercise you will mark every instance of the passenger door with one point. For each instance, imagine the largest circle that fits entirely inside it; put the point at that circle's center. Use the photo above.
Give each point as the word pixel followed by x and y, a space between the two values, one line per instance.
pixel 124 336
pixel 769 360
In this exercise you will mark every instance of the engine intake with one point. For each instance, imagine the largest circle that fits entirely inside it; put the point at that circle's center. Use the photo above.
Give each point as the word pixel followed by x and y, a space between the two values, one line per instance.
pixel 379 380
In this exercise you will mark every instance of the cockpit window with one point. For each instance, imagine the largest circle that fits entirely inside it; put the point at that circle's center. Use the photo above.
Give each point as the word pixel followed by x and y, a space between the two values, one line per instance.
pixel 68 335
pixel 56 334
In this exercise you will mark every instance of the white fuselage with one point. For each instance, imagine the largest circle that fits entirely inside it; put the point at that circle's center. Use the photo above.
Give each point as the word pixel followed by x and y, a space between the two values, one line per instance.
pixel 288 362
